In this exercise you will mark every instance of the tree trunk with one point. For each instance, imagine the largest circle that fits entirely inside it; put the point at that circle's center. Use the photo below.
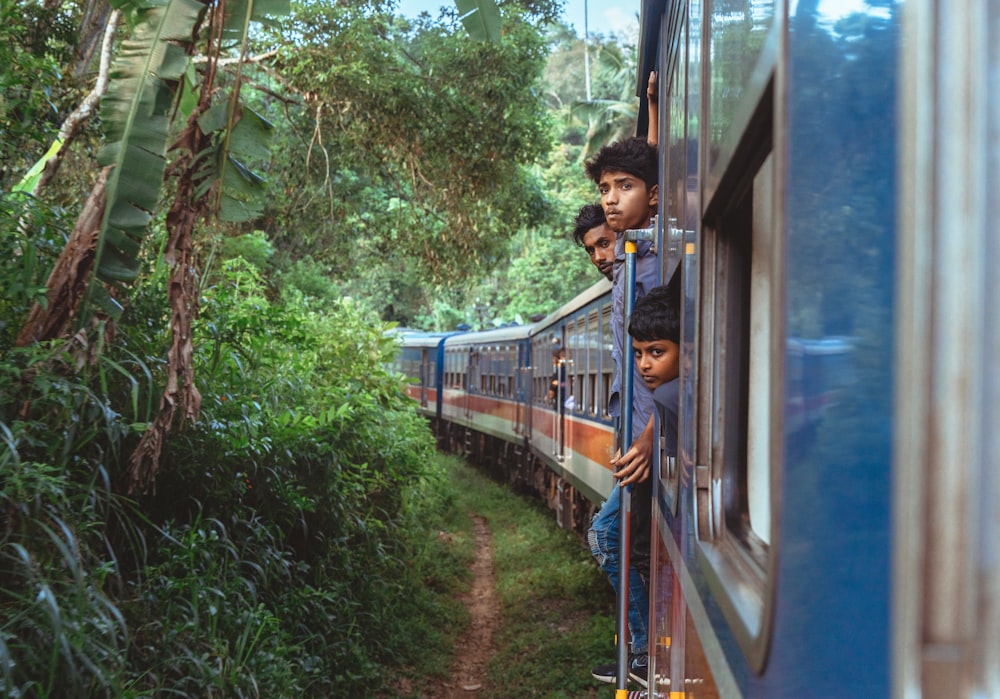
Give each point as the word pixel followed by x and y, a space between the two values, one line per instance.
pixel 68 281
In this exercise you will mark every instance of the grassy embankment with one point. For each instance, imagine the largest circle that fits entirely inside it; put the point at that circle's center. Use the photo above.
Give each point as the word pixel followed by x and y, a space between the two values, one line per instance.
pixel 556 607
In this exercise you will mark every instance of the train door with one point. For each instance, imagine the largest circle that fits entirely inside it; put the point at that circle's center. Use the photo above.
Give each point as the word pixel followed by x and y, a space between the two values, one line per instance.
pixel 425 375
pixel 522 389
pixel 471 380
pixel 561 372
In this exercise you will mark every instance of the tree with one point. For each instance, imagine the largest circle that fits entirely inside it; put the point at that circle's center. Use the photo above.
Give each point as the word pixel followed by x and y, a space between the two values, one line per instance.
pixel 410 156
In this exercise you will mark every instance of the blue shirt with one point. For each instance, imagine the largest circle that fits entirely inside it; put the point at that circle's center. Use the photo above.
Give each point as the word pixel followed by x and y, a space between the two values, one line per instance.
pixel 647 276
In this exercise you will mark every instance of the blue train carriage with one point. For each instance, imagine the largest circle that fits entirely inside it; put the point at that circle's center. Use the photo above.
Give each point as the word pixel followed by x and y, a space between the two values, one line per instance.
pixel 570 433
pixel 830 170
pixel 484 396
pixel 421 358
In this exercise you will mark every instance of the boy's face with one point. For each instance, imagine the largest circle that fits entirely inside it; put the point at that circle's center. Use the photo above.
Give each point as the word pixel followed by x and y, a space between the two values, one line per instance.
pixel 599 242
pixel 657 361
pixel 626 201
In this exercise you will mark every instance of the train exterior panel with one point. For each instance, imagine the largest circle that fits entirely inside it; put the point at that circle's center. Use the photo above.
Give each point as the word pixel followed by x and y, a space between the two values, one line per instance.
pixel 805 150
pixel 773 577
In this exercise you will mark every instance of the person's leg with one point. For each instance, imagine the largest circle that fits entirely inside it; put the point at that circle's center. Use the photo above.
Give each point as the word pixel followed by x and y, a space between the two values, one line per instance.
pixel 639 555
pixel 603 537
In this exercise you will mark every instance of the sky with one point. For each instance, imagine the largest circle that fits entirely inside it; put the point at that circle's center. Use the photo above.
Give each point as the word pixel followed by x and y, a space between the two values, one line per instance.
pixel 603 17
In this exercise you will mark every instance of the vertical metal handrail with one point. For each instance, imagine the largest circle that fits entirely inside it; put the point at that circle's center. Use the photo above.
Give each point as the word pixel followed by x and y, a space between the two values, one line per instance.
pixel 625 499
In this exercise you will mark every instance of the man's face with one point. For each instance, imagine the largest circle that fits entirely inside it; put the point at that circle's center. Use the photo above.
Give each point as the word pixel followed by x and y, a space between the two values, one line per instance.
pixel 626 201
pixel 599 242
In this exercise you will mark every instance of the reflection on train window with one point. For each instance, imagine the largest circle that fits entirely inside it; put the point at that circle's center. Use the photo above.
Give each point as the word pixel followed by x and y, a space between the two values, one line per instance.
pixel 739 361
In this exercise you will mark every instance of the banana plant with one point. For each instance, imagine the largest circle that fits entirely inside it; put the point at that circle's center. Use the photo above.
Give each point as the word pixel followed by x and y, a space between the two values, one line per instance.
pixel 481 18
pixel 208 142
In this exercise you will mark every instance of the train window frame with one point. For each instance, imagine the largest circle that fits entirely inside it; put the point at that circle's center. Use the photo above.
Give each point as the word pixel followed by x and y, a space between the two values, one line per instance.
pixel 593 360
pixel 578 367
pixel 607 362
pixel 740 370
pixel 541 377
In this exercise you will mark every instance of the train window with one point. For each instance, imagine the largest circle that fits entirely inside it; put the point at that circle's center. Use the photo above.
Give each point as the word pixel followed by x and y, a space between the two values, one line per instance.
pixel 580 366
pixel 540 377
pixel 593 361
pixel 607 363
pixel 498 369
pixel 508 371
pixel 739 368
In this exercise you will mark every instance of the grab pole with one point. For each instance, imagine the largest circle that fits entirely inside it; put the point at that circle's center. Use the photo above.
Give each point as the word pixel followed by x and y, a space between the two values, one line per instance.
pixel 632 236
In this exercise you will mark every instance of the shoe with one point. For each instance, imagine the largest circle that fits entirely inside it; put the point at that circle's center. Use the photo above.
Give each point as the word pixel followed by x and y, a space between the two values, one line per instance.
pixel 638 669
pixel 605 673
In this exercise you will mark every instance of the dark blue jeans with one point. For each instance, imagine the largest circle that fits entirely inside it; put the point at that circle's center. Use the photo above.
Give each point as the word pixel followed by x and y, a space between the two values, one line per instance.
pixel 603 538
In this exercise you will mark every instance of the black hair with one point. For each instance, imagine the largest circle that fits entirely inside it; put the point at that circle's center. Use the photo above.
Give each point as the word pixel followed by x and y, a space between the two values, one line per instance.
pixel 632 155
pixel 589 216
pixel 657 316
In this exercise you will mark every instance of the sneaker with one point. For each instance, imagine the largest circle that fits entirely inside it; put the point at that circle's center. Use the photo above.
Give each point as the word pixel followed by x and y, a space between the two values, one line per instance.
pixel 605 673
pixel 638 666
pixel 638 669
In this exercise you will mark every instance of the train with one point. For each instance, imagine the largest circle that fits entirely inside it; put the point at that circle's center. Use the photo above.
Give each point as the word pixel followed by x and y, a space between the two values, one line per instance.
pixel 829 175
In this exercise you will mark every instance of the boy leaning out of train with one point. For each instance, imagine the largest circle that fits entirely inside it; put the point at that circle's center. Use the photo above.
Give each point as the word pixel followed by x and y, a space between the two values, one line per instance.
pixel 625 173
pixel 655 329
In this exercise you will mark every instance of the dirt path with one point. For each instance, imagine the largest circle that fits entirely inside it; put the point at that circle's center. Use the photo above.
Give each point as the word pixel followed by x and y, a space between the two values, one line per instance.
pixel 475 648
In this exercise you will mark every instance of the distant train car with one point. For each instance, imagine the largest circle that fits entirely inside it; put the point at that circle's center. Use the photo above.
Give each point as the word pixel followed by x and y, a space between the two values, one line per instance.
pixel 421 357
pixel 484 389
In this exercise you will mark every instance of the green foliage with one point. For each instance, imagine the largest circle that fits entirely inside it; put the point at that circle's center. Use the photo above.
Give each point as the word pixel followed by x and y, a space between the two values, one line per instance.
pixel 282 553
pixel 136 114
pixel 32 236
pixel 548 270
pixel 448 129
pixel 481 19
pixel 34 43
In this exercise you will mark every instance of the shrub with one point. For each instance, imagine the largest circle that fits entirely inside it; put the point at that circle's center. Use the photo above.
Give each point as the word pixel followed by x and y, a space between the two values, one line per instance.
pixel 276 555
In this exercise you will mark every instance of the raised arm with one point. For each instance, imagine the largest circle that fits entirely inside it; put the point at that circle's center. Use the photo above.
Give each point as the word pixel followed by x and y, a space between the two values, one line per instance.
pixel 653 108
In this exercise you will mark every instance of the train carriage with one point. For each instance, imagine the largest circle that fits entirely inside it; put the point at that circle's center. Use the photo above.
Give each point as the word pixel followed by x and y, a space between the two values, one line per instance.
pixel 830 169
pixel 571 429
pixel 420 357
pixel 484 387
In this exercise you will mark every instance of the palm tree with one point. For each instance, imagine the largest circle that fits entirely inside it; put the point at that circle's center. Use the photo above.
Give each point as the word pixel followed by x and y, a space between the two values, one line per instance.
pixel 608 118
